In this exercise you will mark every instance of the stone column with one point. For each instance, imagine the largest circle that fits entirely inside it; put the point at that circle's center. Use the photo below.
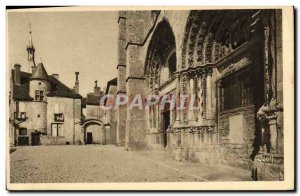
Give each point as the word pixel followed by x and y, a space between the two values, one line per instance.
pixel 221 97
pixel 136 131
pixel 183 89
pixel 151 117
pixel 157 117
pixel 177 121
pixel 209 95
pixel 191 116
pixel 274 134
pixel 200 97
pixel 121 69
pixel 171 116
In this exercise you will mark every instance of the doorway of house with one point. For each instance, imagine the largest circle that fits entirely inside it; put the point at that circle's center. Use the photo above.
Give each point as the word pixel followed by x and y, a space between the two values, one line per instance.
pixel 35 139
pixel 166 124
pixel 89 138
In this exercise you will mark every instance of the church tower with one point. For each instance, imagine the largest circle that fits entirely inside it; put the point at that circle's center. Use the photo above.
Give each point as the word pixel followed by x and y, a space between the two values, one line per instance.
pixel 30 52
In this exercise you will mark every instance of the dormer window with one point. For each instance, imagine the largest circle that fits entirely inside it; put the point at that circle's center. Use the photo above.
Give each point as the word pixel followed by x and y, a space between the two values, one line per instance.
pixel 39 95
pixel 59 117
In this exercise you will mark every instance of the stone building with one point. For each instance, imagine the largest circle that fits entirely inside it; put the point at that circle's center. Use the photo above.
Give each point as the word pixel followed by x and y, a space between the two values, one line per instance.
pixel 92 124
pixel 110 116
pixel 99 126
pixel 231 60
pixel 42 109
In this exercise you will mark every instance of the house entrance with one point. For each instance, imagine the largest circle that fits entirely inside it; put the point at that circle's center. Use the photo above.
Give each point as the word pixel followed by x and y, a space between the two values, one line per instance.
pixel 35 139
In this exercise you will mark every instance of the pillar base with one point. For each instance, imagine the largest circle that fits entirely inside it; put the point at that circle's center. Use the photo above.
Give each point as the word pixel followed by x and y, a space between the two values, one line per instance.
pixel 177 124
pixel 268 167
pixel 135 135
pixel 192 122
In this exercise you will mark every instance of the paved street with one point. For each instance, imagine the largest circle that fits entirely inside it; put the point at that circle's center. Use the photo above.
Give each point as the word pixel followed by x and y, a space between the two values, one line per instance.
pixel 95 163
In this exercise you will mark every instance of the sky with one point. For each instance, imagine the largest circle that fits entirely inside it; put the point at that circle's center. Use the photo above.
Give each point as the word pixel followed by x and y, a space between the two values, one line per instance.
pixel 66 42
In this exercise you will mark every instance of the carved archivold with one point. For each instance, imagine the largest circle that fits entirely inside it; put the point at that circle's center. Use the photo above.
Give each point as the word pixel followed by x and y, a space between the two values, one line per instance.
pixel 208 49
pixel 199 44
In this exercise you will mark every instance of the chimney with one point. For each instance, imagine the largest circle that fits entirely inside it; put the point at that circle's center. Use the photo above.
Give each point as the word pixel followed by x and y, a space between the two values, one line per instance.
pixel 96 88
pixel 76 83
pixel 56 76
pixel 33 68
pixel 17 75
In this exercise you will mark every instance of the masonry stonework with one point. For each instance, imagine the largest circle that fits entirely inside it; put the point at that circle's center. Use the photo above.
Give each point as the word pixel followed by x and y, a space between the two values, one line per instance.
pixel 215 60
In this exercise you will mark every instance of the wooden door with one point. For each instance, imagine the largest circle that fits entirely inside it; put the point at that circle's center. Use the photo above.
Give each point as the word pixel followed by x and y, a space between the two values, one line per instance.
pixel 35 139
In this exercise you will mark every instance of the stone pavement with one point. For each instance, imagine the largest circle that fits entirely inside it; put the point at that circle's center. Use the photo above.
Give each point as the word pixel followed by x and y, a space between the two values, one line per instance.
pixel 96 163
pixel 202 171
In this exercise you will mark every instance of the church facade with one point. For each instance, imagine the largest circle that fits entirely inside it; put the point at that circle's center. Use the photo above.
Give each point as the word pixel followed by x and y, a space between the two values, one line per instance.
pixel 230 60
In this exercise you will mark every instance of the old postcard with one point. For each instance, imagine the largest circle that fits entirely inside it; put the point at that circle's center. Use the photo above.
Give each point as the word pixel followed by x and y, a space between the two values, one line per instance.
pixel 150 98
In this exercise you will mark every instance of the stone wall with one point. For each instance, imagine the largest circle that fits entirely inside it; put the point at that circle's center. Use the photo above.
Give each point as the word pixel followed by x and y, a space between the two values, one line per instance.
pixel 197 144
pixel 40 116
pixel 71 109
pixel 98 133
pixel 36 119
pixel 121 125
pixel 268 167
pixel 187 142
pixel 135 83
pixel 41 85
pixel 36 113
pixel 48 140
pixel 279 83
pixel 121 113
pixel 93 112
pixel 111 134
pixel 155 140
pixel 237 151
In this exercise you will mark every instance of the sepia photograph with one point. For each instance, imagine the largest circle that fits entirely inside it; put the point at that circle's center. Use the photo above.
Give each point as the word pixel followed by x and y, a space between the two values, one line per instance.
pixel 150 98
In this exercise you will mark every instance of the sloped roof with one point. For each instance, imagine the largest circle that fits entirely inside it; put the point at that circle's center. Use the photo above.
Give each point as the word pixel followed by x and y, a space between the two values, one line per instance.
pixel 113 82
pixel 58 89
pixel 40 73
pixel 22 92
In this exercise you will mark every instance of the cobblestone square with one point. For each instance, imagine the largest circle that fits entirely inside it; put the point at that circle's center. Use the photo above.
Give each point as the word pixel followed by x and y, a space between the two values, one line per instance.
pixel 96 163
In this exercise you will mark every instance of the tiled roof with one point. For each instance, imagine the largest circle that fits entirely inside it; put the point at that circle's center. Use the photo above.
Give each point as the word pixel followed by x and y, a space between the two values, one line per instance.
pixel 58 89
pixel 22 92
